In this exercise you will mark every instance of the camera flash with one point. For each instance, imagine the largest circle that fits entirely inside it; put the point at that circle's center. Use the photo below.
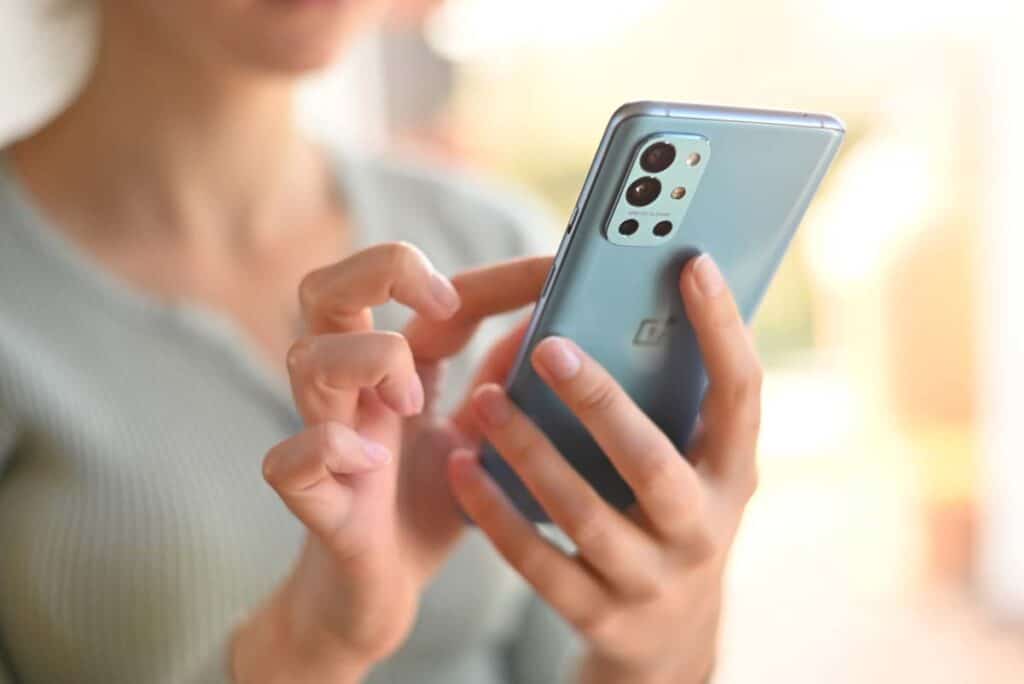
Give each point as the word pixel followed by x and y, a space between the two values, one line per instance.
pixel 693 159
pixel 678 193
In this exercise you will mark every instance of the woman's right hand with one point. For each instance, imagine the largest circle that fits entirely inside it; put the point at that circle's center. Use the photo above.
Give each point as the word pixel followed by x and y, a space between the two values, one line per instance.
pixel 367 475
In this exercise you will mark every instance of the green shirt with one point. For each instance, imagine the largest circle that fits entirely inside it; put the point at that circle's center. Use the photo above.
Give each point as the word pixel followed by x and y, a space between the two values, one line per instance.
pixel 135 526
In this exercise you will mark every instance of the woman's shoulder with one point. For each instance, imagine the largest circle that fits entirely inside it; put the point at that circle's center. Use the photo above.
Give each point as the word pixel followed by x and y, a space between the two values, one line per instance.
pixel 434 206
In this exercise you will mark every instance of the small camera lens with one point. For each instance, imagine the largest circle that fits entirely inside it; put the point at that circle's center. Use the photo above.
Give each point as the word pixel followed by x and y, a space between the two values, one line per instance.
pixel 643 191
pixel 628 227
pixel 657 157
pixel 662 228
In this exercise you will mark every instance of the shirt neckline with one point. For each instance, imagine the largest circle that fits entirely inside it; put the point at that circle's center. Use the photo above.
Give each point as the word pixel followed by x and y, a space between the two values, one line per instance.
pixel 198 320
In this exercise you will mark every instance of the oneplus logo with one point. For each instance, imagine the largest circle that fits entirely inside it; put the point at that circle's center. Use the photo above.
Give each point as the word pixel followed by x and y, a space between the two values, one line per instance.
pixel 652 331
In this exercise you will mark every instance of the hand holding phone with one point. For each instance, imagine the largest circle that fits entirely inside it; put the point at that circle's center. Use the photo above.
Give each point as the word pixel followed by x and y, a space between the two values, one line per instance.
pixel 643 587
pixel 669 182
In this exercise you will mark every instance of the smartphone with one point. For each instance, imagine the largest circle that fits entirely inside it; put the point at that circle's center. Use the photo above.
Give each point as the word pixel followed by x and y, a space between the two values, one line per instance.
pixel 669 181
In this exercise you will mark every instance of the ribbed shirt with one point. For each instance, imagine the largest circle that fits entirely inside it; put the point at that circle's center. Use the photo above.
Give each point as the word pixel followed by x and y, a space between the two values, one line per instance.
pixel 135 527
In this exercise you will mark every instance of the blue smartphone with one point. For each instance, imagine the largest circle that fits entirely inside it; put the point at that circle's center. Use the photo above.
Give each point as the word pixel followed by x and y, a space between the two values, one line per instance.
pixel 669 181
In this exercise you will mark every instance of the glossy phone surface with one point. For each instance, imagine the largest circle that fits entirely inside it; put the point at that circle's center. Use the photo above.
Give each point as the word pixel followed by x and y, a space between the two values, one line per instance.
pixel 737 186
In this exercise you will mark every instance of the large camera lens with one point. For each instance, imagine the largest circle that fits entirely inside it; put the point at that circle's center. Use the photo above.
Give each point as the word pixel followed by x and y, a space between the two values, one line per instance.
pixel 657 157
pixel 643 191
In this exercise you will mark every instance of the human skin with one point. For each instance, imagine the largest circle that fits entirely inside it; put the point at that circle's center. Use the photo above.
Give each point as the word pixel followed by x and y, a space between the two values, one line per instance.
pixel 179 168
pixel 643 589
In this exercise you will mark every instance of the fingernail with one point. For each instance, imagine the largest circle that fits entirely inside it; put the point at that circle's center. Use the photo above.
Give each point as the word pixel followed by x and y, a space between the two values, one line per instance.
pixel 375 453
pixel 709 278
pixel 444 294
pixel 494 406
pixel 559 358
pixel 414 398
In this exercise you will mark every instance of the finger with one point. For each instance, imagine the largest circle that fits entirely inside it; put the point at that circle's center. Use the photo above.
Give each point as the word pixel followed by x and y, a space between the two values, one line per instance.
pixel 496 367
pixel 327 370
pixel 483 292
pixel 562 582
pixel 337 298
pixel 308 471
pixel 665 485
pixel 731 412
pixel 432 377
pixel 611 544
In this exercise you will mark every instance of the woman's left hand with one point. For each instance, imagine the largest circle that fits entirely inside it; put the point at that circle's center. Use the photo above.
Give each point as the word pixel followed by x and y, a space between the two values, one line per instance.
pixel 644 589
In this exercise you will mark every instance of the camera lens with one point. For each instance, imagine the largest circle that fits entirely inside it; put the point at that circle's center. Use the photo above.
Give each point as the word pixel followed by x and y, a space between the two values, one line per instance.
pixel 662 228
pixel 657 157
pixel 628 227
pixel 643 191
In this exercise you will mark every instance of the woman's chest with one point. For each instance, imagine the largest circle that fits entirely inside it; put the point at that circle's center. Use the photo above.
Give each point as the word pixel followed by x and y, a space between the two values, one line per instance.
pixel 134 517
pixel 255 286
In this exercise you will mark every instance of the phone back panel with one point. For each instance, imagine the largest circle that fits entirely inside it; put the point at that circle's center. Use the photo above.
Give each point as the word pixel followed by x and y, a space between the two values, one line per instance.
pixel 622 305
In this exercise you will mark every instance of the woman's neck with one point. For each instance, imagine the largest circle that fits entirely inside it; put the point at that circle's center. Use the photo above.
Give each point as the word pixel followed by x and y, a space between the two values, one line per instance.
pixel 158 140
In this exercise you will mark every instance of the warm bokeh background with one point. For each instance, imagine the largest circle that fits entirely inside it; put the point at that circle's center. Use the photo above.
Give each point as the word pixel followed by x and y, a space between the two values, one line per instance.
pixel 887 541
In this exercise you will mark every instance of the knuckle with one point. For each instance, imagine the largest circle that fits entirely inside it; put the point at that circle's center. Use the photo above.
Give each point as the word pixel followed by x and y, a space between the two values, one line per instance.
pixel 723 314
pixel 646 585
pixel 589 529
pixel 751 420
pixel 598 398
pixel 748 483
pixel 691 513
pixel 270 474
pixel 275 464
pixel 531 561
pixel 596 624
pixel 399 255
pixel 297 354
pixel 524 445
pixel 749 382
pixel 485 508
pixel 309 288
pixel 394 345
pixel 659 476
pixel 701 545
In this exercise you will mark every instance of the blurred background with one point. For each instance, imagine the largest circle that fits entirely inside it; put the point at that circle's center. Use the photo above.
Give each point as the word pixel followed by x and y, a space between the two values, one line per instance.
pixel 886 543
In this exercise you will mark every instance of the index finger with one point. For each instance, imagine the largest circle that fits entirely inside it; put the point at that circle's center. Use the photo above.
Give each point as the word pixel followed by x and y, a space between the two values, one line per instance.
pixel 664 484
pixel 337 298
pixel 731 411
pixel 484 292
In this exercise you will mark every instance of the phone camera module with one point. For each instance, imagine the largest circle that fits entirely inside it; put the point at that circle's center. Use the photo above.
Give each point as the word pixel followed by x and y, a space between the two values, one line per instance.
pixel 643 191
pixel 662 228
pixel 628 227
pixel 657 157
